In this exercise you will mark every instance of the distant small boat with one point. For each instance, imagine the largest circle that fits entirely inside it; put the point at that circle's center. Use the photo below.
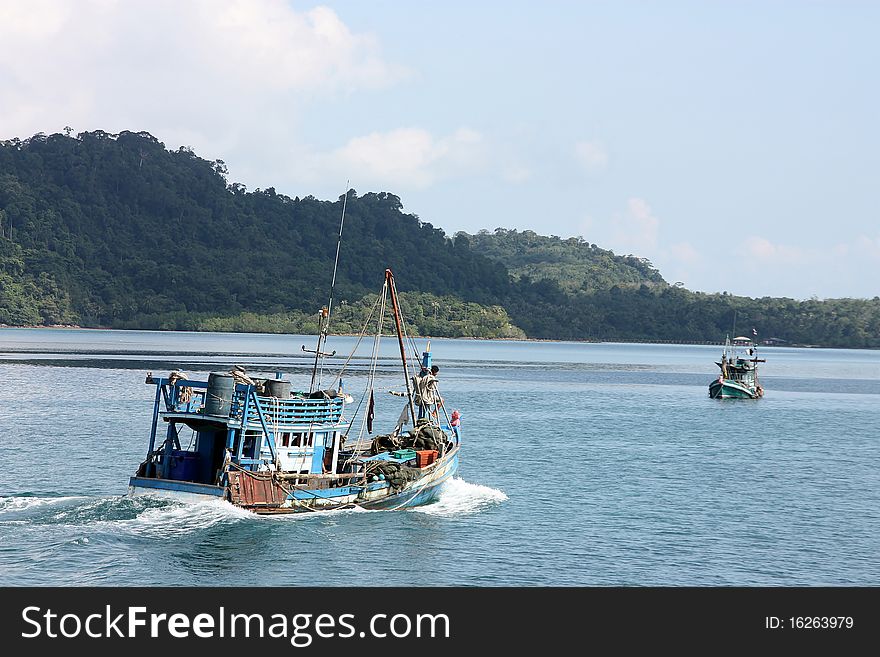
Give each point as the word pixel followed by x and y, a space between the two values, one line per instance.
pixel 739 373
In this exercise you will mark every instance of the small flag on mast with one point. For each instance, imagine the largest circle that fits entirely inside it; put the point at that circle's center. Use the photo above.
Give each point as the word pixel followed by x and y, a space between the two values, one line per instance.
pixel 370 413
pixel 403 420
pixel 754 331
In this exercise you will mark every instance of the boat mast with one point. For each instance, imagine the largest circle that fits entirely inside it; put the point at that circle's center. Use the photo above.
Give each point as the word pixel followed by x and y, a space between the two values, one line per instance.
pixel 389 278
pixel 732 348
pixel 324 321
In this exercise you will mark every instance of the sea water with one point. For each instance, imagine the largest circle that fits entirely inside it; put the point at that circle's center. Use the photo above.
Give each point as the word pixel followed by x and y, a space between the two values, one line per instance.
pixel 582 464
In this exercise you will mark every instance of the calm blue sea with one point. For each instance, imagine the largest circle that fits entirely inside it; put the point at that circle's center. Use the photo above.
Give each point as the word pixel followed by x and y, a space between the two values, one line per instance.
pixel 583 464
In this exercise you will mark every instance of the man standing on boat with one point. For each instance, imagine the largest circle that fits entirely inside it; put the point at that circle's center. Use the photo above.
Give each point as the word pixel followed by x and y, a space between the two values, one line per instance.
pixel 427 390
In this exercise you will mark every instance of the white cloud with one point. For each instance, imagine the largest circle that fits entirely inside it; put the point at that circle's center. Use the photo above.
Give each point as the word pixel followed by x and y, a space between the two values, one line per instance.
pixel 868 246
pixel 768 268
pixel 861 247
pixel 405 158
pixel 36 19
pixel 266 44
pixel 679 263
pixel 747 265
pixel 516 173
pixel 636 230
pixel 235 73
pixel 763 249
pixel 840 250
pixel 591 156
pixel 685 253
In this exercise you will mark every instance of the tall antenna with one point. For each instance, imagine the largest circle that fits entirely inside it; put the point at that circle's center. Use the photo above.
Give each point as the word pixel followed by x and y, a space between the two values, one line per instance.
pixel 324 321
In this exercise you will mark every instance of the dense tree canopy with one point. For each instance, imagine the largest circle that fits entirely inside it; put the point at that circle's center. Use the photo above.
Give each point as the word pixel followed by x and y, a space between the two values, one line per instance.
pixel 575 264
pixel 112 230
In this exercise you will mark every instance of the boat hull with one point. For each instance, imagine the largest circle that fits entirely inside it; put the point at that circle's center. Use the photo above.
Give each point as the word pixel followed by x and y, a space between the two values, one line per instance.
pixel 418 492
pixel 731 390
pixel 375 496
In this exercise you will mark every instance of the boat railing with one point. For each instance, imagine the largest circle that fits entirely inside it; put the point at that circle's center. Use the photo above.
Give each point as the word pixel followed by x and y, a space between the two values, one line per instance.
pixel 186 396
pixel 294 411
pixel 180 395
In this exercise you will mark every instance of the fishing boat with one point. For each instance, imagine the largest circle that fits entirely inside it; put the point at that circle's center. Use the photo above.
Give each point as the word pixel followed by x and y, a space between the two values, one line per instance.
pixel 739 371
pixel 266 448
pixel 262 446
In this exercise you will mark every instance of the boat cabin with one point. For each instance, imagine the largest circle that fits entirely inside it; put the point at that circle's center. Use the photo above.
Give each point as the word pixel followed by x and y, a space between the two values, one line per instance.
pixel 256 426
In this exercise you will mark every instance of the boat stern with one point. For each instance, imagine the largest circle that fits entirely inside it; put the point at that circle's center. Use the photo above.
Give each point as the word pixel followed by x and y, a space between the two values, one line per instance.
pixel 182 491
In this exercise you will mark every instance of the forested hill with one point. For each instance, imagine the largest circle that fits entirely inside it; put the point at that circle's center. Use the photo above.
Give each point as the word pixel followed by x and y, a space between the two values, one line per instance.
pixel 111 230
pixel 576 265
pixel 117 228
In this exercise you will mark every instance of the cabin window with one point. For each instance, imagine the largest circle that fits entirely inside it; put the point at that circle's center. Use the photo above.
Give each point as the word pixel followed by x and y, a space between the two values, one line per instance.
pixel 301 439
pixel 250 442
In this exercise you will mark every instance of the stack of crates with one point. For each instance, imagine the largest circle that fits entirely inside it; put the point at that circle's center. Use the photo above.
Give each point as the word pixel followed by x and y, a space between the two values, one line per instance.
pixel 426 457
pixel 404 454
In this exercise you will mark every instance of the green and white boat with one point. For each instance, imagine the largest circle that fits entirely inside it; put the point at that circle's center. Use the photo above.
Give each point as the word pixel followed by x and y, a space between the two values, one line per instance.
pixel 739 371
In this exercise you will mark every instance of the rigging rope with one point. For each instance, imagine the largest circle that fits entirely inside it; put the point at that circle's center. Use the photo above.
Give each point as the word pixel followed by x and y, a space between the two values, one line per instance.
pixel 381 301
pixel 357 344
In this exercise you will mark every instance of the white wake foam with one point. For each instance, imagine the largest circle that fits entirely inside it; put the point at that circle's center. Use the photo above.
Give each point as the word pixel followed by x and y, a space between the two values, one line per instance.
pixel 459 497
pixel 17 504
pixel 143 516
pixel 321 515
pixel 160 518
pixel 179 518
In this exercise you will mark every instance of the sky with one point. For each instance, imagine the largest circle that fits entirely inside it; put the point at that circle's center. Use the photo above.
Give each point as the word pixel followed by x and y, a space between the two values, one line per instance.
pixel 733 144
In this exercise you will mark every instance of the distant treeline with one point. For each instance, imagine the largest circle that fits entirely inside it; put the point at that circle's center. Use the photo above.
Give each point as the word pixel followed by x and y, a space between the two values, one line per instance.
pixel 115 230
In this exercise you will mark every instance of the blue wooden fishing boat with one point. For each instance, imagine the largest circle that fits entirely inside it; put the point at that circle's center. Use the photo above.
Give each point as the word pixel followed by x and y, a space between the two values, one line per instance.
pixel 739 371
pixel 269 449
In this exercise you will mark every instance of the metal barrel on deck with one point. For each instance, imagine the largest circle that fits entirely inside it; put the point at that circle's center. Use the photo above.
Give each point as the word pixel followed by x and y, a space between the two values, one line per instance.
pixel 219 396
pixel 278 388
pixel 184 465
